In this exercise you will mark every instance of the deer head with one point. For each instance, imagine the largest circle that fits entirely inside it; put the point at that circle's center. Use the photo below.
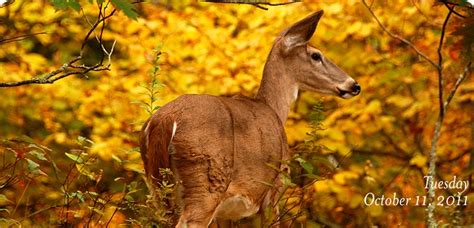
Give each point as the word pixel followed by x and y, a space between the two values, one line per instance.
pixel 306 65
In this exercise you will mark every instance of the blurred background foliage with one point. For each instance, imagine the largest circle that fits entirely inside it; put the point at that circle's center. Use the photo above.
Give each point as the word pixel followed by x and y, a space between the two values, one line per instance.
pixel 69 150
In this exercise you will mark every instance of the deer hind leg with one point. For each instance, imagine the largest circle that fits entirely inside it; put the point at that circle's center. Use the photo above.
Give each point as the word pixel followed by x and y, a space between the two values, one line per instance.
pixel 199 200
pixel 198 213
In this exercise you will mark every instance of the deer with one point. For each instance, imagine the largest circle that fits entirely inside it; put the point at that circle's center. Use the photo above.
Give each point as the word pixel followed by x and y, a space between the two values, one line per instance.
pixel 219 148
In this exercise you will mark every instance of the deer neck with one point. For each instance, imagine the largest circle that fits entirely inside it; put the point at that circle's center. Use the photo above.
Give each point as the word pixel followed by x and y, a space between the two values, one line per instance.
pixel 277 89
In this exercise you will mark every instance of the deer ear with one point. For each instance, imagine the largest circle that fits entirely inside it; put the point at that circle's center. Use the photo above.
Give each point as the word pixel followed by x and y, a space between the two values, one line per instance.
pixel 302 31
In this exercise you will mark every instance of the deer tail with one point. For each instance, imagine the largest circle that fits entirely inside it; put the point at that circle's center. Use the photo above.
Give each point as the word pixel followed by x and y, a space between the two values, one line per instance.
pixel 155 140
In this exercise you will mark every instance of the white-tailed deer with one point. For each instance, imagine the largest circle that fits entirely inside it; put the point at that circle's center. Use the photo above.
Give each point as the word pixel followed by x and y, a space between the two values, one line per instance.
pixel 219 148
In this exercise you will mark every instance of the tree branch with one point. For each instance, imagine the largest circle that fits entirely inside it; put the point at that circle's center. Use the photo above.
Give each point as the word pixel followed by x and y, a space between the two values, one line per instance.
pixel 69 68
pixel 437 132
pixel 452 10
pixel 20 37
pixel 397 37
pixel 256 3
pixel 440 65
pixel 466 72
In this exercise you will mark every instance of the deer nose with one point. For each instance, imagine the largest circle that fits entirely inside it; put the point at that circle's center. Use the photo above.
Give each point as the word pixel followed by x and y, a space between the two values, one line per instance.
pixel 356 88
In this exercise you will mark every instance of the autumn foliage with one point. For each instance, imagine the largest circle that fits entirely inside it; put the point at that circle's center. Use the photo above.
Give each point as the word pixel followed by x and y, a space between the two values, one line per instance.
pixel 68 150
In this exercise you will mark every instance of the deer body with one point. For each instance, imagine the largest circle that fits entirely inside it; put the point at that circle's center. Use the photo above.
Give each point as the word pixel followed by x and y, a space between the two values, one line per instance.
pixel 221 149
pixel 213 158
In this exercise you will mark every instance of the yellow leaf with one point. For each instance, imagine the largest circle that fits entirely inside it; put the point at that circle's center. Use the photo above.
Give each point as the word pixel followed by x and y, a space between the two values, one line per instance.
pixel 343 176
pixel 374 210
pixel 374 107
pixel 355 201
pixel 419 160
pixel 321 186
pixel 334 146
pixel 400 101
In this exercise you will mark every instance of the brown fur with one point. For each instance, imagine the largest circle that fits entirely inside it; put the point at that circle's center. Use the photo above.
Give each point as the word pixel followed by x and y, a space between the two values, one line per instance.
pixel 223 150
pixel 205 169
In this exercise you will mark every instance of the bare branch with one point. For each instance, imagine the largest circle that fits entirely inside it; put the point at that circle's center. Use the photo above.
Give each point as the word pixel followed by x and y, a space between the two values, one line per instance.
pixel 397 37
pixel 452 10
pixel 440 65
pixel 439 123
pixel 260 7
pixel 256 3
pixel 260 2
pixel 466 72
pixel 55 75
pixel 20 37
pixel 100 20
pixel 70 68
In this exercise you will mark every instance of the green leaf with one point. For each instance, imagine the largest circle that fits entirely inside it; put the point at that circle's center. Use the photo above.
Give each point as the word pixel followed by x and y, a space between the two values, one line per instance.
pixel 63 4
pixel 59 4
pixel 79 195
pixel 74 5
pixel 306 165
pixel 127 8
pixel 82 140
pixel 75 158
pixel 38 155
pixel 25 138
pixel 34 167
pixel 129 198
pixel 4 199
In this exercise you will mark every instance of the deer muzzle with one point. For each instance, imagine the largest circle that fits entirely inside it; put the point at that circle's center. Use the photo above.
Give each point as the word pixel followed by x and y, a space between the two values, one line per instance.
pixel 348 89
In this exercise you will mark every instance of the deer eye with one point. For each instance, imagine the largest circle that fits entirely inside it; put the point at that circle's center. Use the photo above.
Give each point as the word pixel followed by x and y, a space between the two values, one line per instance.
pixel 316 57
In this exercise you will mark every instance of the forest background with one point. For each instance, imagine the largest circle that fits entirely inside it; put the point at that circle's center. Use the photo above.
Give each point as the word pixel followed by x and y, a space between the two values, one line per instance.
pixel 68 152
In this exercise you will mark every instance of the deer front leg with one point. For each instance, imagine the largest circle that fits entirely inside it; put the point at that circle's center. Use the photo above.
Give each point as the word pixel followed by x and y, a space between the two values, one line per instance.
pixel 270 214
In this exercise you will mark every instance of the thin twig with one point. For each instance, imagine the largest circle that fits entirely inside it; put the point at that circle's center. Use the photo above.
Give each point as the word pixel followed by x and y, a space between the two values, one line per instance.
pixel 452 10
pixel 21 196
pixel 252 2
pixel 466 72
pixel 20 37
pixel 440 64
pixel 434 143
pixel 395 36
pixel 258 4
pixel 100 20
pixel 118 205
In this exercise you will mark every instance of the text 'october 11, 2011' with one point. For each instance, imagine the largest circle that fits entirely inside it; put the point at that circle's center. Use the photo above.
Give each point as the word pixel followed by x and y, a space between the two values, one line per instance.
pixel 456 185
